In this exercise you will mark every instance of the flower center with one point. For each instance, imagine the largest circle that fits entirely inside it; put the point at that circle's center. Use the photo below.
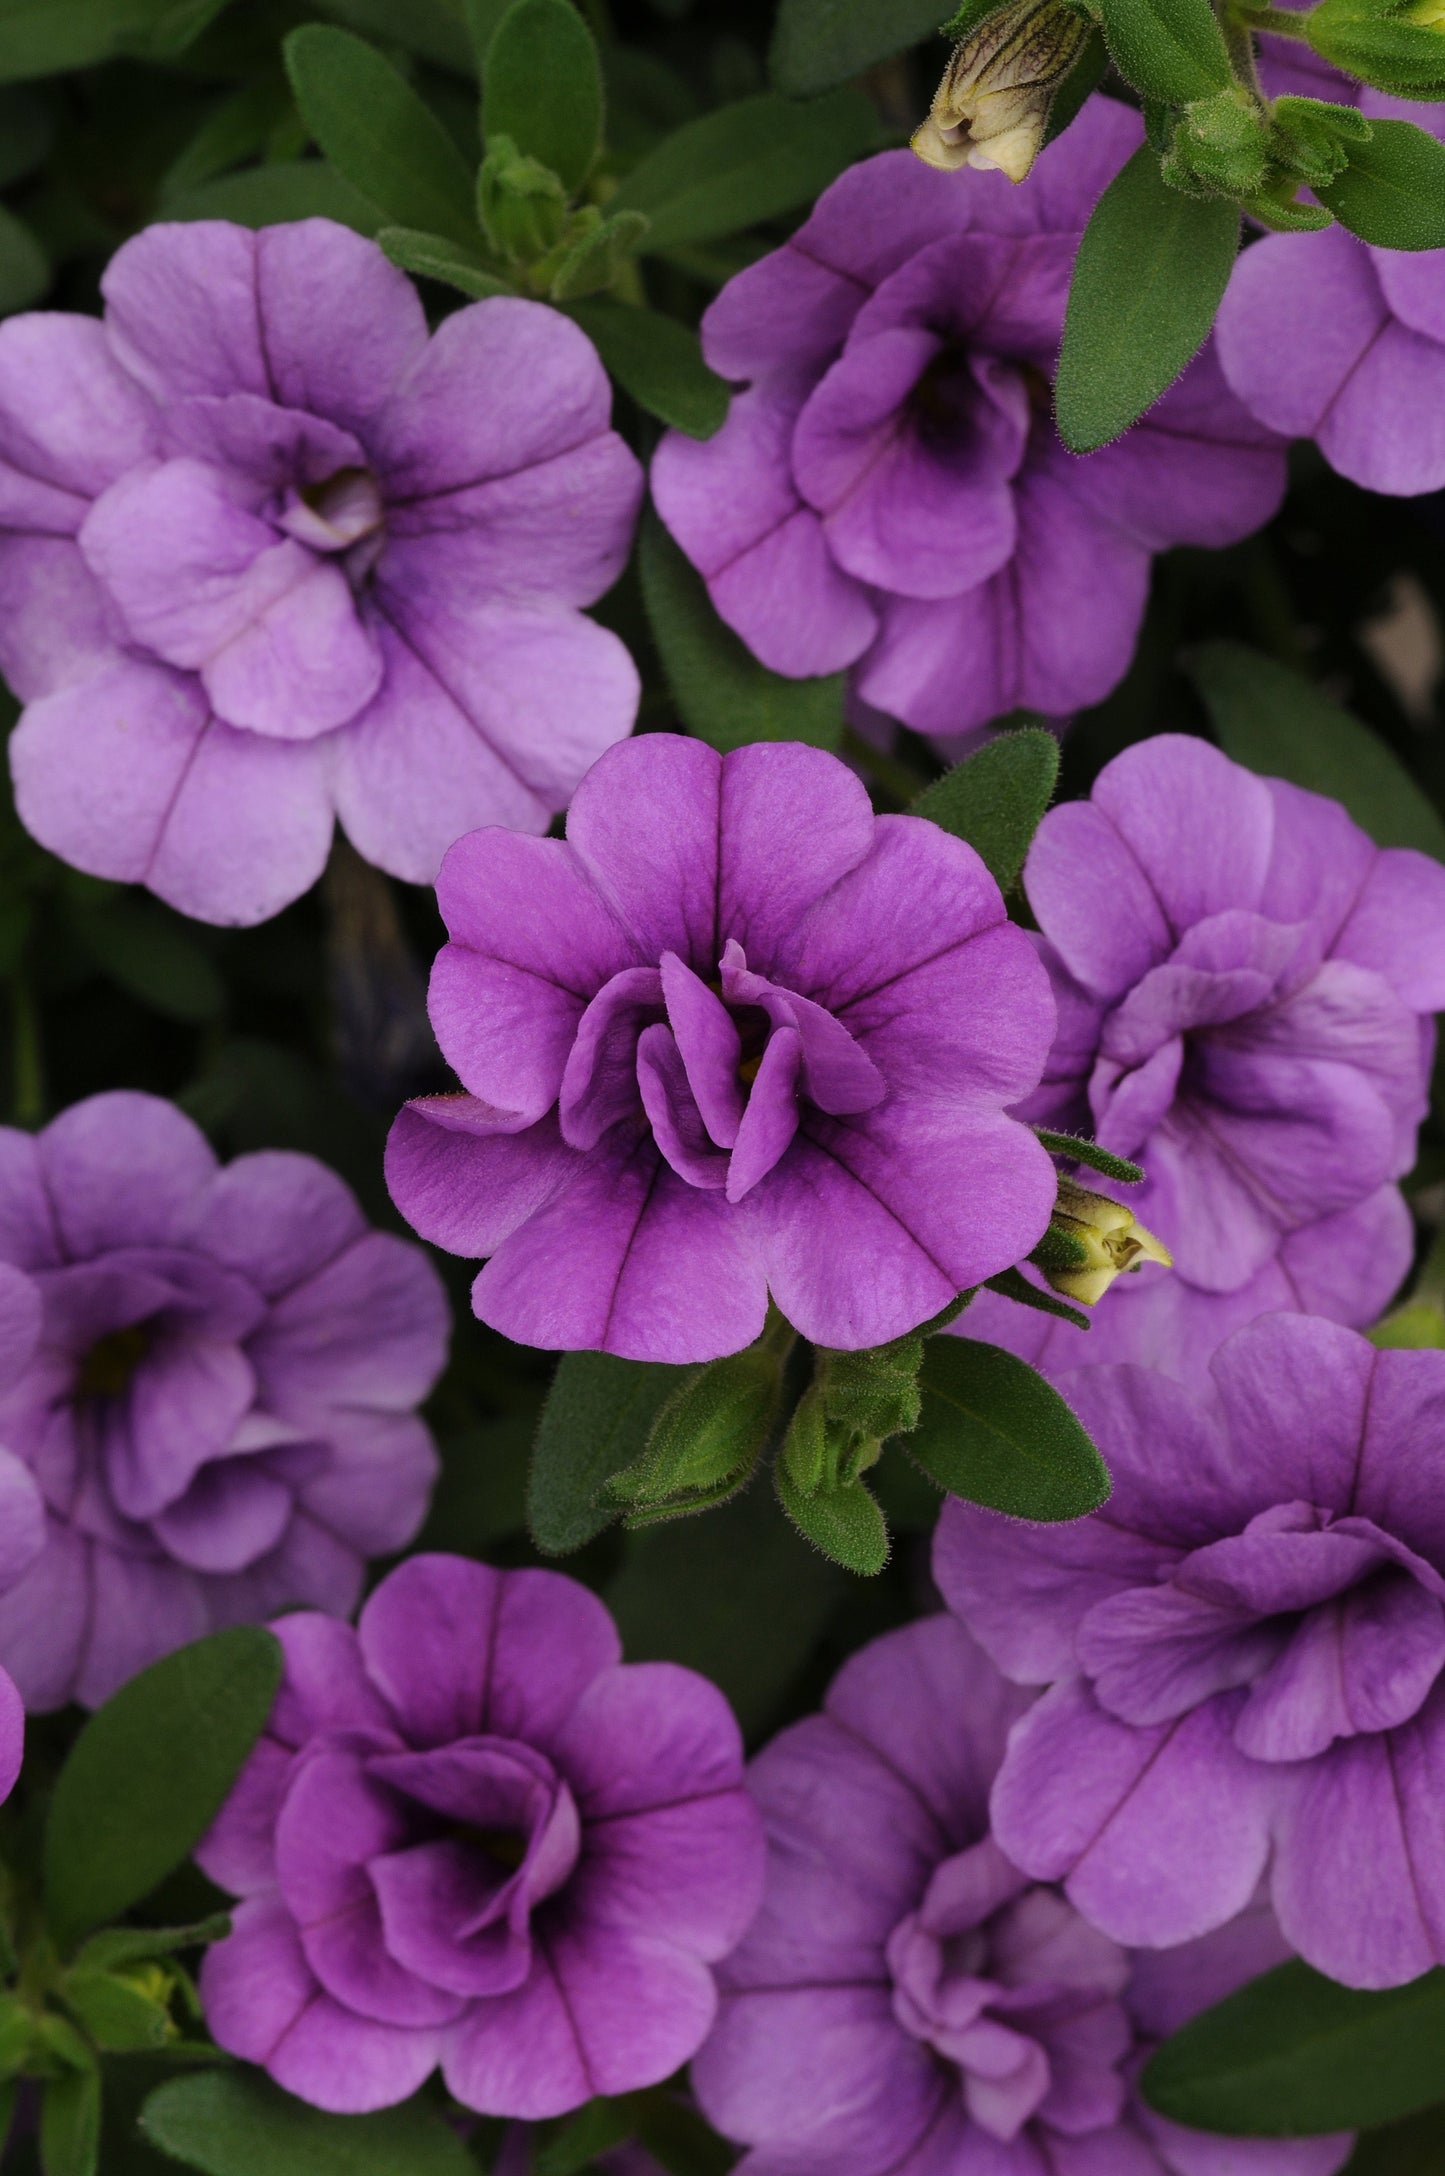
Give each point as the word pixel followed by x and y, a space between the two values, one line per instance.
pixel 109 1367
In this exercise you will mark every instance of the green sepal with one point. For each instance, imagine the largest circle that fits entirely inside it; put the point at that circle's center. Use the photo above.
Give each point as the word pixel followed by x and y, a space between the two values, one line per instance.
pixel 122 2016
pixel 711 1432
pixel 846 1523
pixel 1014 1285
pixel 1283 215
pixel 1080 1151
pixel 1059 1249
pixel 1313 139
pixel 592 263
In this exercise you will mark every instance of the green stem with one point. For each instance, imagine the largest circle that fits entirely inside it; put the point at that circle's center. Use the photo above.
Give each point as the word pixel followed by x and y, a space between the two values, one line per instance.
pixel 1279 22
pixel 28 1082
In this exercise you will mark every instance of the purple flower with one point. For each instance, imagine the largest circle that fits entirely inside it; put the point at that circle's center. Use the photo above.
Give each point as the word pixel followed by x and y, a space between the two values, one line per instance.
pixel 269 555
pixel 469 1837
pixel 735 1036
pixel 1246 1649
pixel 907 2002
pixel 1244 983
pixel 217 1420
pixel 889 493
pixel 12 1734
pixel 1324 337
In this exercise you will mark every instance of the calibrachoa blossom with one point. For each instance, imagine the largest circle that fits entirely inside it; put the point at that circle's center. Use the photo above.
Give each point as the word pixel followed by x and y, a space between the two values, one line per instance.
pixel 218 1418
pixel 735 1036
pixel 889 492
pixel 1244 983
pixel 471 1837
pixel 1249 1649
pixel 12 1734
pixel 1323 337
pixel 269 554
pixel 907 2001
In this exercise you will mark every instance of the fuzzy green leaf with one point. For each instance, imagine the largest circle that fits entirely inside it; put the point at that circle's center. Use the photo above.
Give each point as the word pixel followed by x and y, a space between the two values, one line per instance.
pixel 1172 50
pixel 379 134
pixel 995 1433
pixel 845 1523
pixel 996 798
pixel 1392 193
pixel 751 160
pixel 659 362
pixel 433 257
pixel 542 86
pixel 236 2123
pixel 820 43
pixel 1080 1151
pixel 597 1419
pixel 1149 276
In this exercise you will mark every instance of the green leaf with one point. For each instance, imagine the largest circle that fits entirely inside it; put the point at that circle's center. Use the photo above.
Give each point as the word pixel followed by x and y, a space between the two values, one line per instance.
pixel 1081 1151
pixel 120 2017
pixel 748 161
pixel 26 129
pixel 1296 2054
pixel 1392 193
pixel 1014 1285
pixel 996 798
pixel 597 1419
pixel 845 1523
pixel 596 260
pixel 1414 2147
pixel 24 266
pixel 1418 1325
pixel 137 1945
pixel 1148 279
pixel 723 694
pixel 433 257
pixel 434 29
pixel 151 955
pixel 267 196
pixel 45 37
pixel 659 362
pixel 1393 55
pixel 483 17
pixel 543 87
pixel 997 1434
pixel 236 2123
pixel 379 134
pixel 147 1774
pixel 597 2127
pixel 1273 721
pixel 818 43
pixel 70 2125
pixel 1172 50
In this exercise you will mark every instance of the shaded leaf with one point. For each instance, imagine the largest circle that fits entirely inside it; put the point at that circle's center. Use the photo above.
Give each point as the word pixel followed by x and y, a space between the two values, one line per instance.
pixel 433 257
pixel 597 1419
pixel 995 1433
pixel 818 43
pixel 47 37
pixel 722 692
pixel 1276 723
pixel 266 196
pixel 236 2123
pixel 749 161
pixel 996 798
pixel 24 266
pixel 1414 2147
pixel 543 87
pixel 152 955
pixel 70 2125
pixel 434 29
pixel 1293 2054
pixel 1150 272
pixel 379 134
pixel 147 1774
pixel 659 362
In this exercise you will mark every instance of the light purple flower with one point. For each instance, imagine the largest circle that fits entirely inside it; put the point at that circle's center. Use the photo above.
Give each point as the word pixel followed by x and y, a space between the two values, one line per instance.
pixel 1246 1649
pixel 218 1418
pixel 12 1734
pixel 270 555
pixel 1244 983
pixel 890 494
pixel 1323 337
pixel 735 1036
pixel 907 2003
pixel 470 1837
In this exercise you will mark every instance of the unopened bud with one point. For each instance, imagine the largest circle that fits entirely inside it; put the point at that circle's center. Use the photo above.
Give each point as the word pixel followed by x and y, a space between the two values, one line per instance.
pixel 1112 1240
pixel 1218 147
pixel 708 1436
pixel 521 204
pixel 992 107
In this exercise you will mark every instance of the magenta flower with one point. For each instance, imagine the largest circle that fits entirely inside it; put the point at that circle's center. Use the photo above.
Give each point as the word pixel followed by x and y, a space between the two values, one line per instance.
pixel 218 1418
pixel 735 1036
pixel 907 2001
pixel 1246 1649
pixel 471 1838
pixel 1324 337
pixel 1244 985
pixel 270 555
pixel 889 493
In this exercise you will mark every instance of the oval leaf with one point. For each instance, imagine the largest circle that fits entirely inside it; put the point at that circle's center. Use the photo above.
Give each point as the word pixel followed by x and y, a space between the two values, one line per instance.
pixel 722 692
pixel 1171 50
pixel 1148 279
pixel 543 87
pixel 820 43
pixel 148 1772
pixel 995 1433
pixel 378 134
pixel 658 361
pixel 1274 722
pixel 1392 192
pixel 1295 2054
pixel 748 161
pixel 846 1523
pixel 597 1419
pixel 996 798
pixel 236 2123
pixel 24 266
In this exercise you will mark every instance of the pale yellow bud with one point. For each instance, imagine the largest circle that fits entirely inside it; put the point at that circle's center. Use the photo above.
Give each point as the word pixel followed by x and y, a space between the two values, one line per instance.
pixel 1429 14
pixel 992 107
pixel 1113 1237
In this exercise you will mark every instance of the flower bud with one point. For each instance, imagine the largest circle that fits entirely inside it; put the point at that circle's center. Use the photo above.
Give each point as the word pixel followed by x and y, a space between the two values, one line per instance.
pixel 521 204
pixel 992 107
pixel 1219 146
pixel 1112 1240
